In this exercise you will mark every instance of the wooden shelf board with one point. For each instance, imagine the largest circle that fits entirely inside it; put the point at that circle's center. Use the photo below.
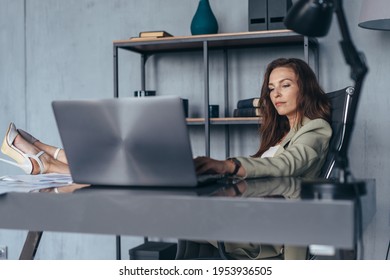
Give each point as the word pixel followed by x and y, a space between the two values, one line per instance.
pixel 214 41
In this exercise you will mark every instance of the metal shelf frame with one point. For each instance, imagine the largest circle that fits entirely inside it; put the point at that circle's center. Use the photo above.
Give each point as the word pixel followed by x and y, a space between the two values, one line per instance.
pixel 206 43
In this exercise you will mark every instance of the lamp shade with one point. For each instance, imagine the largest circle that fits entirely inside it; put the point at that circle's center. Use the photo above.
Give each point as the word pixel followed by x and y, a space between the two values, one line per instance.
pixel 310 17
pixel 375 14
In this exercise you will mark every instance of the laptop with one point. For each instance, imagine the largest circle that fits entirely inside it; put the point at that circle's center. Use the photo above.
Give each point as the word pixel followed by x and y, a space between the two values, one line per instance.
pixel 127 141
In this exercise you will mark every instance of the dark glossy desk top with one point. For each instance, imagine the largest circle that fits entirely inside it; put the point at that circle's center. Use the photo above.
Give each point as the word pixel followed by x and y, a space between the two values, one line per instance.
pixel 262 210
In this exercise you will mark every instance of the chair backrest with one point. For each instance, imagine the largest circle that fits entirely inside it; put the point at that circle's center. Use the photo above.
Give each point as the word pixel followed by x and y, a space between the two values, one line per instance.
pixel 341 103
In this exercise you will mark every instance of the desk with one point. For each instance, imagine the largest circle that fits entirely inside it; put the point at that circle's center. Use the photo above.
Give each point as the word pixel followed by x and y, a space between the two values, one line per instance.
pixel 263 210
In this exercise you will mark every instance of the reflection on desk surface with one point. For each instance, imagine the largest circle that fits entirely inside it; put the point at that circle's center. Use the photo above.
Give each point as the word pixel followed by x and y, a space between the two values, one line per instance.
pixel 279 187
pixel 271 187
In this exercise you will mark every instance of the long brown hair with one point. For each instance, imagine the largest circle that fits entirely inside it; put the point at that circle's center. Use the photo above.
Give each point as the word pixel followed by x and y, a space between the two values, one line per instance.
pixel 312 103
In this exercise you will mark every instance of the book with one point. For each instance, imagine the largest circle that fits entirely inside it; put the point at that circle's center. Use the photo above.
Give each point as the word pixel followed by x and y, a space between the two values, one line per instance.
pixel 136 39
pixel 248 103
pixel 154 34
pixel 247 112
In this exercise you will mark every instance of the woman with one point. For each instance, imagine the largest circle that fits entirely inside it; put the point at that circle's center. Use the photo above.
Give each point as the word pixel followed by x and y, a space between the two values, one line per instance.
pixel 295 130
pixel 295 134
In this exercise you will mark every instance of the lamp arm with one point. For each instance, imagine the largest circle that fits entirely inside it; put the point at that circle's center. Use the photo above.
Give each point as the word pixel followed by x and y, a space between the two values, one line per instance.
pixel 359 69
pixel 353 58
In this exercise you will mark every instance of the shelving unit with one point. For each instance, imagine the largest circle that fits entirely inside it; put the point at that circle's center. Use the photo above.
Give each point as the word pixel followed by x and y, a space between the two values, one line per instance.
pixel 205 43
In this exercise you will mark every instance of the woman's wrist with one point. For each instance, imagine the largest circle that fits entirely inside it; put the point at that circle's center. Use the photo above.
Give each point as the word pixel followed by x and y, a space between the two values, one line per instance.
pixel 229 166
pixel 234 166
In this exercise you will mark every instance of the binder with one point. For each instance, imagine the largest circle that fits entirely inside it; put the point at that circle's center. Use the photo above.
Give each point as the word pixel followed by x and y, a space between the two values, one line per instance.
pixel 277 11
pixel 267 14
pixel 257 15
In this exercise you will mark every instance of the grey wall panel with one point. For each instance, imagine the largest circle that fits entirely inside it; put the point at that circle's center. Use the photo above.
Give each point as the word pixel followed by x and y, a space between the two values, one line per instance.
pixel 12 66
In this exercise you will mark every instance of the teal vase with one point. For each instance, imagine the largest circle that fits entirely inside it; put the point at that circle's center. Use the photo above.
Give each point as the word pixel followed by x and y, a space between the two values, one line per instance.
pixel 204 21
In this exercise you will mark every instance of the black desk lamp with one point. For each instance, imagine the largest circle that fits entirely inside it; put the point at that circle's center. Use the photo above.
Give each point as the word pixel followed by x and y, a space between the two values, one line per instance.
pixel 313 18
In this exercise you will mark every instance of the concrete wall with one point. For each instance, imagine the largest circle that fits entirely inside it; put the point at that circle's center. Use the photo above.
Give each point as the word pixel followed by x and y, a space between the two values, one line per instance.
pixel 54 49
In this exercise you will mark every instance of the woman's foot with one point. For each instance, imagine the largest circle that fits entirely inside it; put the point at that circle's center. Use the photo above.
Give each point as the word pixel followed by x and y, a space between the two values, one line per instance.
pixel 30 149
pixel 50 165
pixel 56 153
pixel 21 159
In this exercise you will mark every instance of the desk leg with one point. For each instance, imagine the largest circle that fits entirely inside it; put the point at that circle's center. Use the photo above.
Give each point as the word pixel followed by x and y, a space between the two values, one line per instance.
pixel 118 247
pixel 30 246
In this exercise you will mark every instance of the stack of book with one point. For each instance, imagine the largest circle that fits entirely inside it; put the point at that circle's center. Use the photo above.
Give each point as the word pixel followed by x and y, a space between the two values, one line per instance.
pixel 150 35
pixel 247 108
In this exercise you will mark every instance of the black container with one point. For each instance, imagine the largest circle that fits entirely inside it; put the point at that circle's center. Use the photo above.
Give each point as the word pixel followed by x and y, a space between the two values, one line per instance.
pixel 142 93
pixel 214 111
pixel 154 251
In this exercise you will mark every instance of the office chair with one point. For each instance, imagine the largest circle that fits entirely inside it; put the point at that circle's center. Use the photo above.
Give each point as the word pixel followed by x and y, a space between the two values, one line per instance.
pixel 341 101
pixel 341 104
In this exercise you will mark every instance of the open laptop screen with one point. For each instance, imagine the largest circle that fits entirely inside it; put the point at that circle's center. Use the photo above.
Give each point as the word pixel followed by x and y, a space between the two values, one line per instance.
pixel 126 141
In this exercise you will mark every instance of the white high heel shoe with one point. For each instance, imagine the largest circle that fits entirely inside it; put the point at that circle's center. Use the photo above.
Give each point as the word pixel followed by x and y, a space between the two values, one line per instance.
pixel 22 159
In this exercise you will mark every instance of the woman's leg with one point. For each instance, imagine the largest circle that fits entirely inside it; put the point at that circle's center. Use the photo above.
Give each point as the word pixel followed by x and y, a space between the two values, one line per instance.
pixel 55 152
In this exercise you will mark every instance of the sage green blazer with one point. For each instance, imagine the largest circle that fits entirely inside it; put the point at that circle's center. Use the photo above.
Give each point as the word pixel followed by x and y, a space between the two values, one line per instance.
pixel 301 154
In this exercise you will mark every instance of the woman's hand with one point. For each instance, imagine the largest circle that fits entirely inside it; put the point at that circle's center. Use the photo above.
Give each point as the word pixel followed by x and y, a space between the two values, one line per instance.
pixel 209 165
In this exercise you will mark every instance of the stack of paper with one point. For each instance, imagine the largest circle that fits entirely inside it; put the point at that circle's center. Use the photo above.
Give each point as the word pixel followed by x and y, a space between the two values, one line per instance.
pixel 29 183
